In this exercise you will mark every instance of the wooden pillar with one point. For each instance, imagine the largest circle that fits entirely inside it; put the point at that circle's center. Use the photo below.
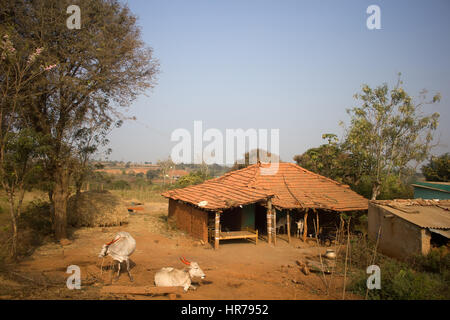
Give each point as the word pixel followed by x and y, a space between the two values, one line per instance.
pixel 288 220
pixel 269 221
pixel 274 228
pixel 317 224
pixel 217 230
pixel 305 226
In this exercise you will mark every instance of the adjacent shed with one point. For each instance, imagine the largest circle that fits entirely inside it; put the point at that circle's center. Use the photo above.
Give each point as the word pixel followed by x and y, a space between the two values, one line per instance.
pixel 409 227
pixel 246 202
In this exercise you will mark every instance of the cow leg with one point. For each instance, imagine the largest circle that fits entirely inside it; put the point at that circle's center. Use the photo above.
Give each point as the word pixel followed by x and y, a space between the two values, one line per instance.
pixel 128 270
pixel 118 270
pixel 111 272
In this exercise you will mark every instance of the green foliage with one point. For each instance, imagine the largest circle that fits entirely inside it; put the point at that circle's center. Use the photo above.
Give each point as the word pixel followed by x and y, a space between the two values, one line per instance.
pixel 399 282
pixel 437 261
pixel 152 174
pixel 105 66
pixel 392 188
pixel 191 179
pixel 388 131
pixel 438 169
pixel 120 185
pixel 329 160
pixel 421 277
pixel 37 217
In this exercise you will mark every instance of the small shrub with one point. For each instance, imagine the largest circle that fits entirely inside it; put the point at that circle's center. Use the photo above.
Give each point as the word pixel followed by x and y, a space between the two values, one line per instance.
pixel 426 277
pixel 37 217
pixel 399 282
pixel 120 185
pixel 190 179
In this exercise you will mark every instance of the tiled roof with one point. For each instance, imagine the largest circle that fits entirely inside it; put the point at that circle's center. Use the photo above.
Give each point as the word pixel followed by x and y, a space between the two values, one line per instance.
pixel 214 195
pixel 292 187
pixel 433 214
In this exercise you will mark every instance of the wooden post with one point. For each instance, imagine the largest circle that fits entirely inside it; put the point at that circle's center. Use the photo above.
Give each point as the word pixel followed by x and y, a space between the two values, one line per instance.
pixel 305 226
pixel 217 228
pixel 288 220
pixel 317 225
pixel 269 221
pixel 274 226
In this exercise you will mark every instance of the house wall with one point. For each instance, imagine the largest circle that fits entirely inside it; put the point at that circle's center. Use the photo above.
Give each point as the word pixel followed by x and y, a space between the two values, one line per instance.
pixel 248 216
pixel 189 219
pixel 398 238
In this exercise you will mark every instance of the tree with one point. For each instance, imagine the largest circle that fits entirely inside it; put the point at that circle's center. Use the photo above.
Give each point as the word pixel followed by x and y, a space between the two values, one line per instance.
pixel 87 141
pixel 253 157
pixel 20 147
pixel 438 168
pixel 166 166
pixel 97 70
pixel 326 160
pixel 152 174
pixel 388 132
pixel 192 178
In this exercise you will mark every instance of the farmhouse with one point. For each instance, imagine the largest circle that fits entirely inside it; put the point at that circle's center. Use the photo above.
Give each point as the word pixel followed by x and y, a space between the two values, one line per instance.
pixel 409 227
pixel 246 203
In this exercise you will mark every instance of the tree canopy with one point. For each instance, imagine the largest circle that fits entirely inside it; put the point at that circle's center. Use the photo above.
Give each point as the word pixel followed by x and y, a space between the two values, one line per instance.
pixel 388 132
pixel 93 73
pixel 438 168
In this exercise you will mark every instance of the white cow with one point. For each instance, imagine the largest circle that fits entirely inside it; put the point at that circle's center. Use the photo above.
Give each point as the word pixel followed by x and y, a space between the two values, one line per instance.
pixel 299 227
pixel 120 249
pixel 171 277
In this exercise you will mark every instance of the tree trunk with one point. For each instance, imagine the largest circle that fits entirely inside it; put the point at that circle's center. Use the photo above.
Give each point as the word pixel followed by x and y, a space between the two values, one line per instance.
pixel 60 196
pixel 376 189
pixel 13 228
pixel 78 185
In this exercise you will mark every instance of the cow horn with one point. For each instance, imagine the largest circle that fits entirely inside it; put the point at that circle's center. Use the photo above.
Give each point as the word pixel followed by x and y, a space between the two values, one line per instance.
pixel 185 261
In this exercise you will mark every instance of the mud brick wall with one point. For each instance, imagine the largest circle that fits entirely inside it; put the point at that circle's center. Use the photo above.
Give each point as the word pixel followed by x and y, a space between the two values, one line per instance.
pixel 398 238
pixel 189 219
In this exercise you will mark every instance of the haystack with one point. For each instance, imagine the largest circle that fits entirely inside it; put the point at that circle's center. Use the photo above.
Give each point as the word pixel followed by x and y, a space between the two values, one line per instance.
pixel 96 209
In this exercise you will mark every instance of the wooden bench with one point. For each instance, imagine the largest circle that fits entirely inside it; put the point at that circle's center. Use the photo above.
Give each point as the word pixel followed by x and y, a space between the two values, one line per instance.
pixel 248 233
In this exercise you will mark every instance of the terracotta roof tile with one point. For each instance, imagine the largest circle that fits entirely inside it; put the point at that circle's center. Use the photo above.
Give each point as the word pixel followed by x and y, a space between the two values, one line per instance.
pixel 292 187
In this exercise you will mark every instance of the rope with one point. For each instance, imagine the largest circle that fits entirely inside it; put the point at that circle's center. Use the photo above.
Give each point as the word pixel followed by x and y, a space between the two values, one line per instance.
pixel 113 241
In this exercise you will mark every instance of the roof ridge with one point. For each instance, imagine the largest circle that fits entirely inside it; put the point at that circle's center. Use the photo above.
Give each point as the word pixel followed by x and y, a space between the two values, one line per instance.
pixel 229 173
pixel 320 176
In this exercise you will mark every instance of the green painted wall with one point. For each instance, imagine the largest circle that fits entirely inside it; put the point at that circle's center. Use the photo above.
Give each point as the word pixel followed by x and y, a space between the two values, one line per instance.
pixel 248 216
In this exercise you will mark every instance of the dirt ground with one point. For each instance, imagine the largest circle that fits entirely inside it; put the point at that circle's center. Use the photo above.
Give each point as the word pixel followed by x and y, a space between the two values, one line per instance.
pixel 238 270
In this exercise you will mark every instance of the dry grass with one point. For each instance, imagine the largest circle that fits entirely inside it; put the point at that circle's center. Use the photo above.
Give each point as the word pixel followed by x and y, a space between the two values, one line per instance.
pixel 96 209
pixel 148 194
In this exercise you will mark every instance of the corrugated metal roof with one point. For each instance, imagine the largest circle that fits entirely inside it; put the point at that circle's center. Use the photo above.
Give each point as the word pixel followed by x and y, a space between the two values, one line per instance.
pixel 292 186
pixel 445 233
pixel 439 186
pixel 428 214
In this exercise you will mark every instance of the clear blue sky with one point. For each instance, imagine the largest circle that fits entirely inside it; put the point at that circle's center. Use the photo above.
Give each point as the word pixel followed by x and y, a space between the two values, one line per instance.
pixel 291 65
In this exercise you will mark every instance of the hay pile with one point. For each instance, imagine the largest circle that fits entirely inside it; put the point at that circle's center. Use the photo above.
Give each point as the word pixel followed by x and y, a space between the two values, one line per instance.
pixel 96 209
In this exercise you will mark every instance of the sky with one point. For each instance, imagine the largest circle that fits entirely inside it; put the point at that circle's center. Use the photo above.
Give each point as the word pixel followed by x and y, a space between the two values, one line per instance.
pixel 287 65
